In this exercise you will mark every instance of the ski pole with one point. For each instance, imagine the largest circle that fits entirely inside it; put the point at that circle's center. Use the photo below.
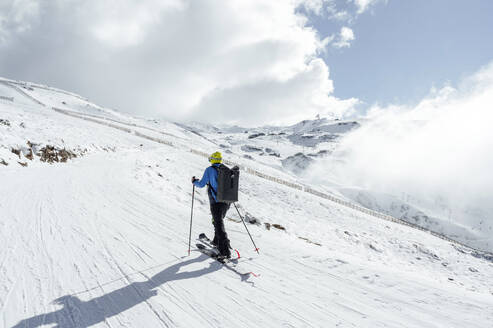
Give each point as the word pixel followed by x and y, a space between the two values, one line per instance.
pixel 256 248
pixel 191 217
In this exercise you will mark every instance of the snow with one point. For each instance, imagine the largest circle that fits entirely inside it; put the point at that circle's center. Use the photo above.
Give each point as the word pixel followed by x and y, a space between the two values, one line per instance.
pixel 102 240
pixel 312 152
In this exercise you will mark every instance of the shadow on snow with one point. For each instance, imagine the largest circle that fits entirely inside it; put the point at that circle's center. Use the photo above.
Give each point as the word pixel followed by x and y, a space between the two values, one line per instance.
pixel 77 313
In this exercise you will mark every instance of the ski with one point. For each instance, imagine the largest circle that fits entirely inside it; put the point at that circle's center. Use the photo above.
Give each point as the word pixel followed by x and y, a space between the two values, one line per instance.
pixel 230 264
pixel 211 253
pixel 208 242
pixel 206 247
pixel 203 238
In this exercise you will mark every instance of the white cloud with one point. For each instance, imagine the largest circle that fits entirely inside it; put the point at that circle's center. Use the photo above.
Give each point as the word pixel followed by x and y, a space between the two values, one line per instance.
pixel 364 5
pixel 314 6
pixel 345 37
pixel 178 58
pixel 125 23
pixel 343 16
pixel 273 98
pixel 438 152
pixel 336 14
pixel 17 16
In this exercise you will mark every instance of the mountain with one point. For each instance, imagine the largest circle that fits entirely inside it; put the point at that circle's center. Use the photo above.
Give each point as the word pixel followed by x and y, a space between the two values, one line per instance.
pixel 95 210
pixel 279 147
pixel 309 150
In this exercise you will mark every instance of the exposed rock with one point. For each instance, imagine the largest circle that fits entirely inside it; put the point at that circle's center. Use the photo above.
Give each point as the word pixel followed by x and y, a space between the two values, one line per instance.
pixel 16 151
pixel 321 153
pixel 4 122
pixel 51 154
pixel 47 153
pixel 309 241
pixel 256 135
pixel 278 226
pixel 272 152
pixel 4 162
pixel 29 155
pixel 250 149
pixel 251 219
pixel 311 140
pixel 377 249
pixel 297 163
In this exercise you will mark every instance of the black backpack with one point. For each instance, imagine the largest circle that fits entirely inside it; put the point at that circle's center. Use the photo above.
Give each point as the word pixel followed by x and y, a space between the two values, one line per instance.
pixel 227 184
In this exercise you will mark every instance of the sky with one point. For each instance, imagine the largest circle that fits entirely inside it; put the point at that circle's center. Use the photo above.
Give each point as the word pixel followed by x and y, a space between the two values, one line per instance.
pixel 245 62
pixel 402 49
pixel 418 73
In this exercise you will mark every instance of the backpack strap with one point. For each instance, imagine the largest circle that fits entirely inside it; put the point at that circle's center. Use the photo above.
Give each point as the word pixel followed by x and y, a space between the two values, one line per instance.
pixel 209 184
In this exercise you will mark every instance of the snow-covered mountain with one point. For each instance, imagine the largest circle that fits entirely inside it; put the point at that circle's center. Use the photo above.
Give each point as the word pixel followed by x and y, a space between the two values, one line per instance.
pixel 94 222
pixel 306 150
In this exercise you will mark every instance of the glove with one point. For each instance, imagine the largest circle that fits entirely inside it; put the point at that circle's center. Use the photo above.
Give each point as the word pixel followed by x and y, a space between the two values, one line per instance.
pixel 194 179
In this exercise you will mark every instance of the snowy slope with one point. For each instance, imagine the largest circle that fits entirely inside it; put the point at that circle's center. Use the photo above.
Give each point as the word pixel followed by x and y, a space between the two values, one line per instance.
pixel 273 145
pixel 102 241
pixel 310 152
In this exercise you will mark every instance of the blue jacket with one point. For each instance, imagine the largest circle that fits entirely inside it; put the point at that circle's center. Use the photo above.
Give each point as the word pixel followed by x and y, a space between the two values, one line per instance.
pixel 209 179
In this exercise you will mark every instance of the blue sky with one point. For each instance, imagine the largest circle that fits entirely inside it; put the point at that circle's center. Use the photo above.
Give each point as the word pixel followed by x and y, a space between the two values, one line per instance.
pixel 404 48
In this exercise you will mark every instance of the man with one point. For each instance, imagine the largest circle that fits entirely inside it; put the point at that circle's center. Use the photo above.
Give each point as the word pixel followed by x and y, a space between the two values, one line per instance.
pixel 218 209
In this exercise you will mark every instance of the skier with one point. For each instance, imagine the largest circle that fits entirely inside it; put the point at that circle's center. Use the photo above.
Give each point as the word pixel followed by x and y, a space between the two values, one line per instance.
pixel 218 209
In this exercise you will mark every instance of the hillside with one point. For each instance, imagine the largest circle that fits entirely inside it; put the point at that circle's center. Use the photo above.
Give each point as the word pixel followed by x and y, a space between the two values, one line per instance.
pixel 95 233
pixel 313 152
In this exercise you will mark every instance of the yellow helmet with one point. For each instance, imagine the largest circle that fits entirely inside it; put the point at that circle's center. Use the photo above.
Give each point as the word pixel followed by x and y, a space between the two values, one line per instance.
pixel 216 158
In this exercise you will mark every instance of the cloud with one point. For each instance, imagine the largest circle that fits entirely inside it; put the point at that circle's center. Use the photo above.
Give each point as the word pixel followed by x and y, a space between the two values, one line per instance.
pixel 345 37
pixel 17 16
pixel 438 152
pixel 313 6
pixel 364 5
pixel 125 23
pixel 271 98
pixel 342 16
pixel 176 58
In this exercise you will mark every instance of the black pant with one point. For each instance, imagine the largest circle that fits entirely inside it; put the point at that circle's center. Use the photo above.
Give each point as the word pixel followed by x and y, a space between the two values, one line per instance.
pixel 218 211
